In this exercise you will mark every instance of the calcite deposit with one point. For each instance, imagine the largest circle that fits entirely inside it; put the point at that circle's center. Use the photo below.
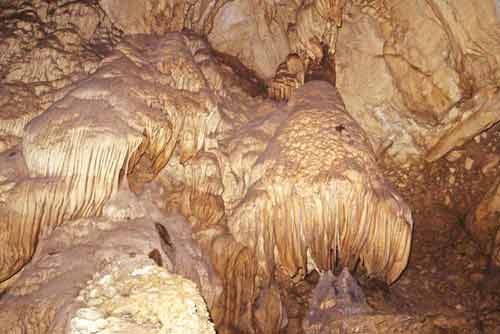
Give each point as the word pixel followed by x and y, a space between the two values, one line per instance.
pixel 109 263
pixel 139 297
pixel 173 166
pixel 317 189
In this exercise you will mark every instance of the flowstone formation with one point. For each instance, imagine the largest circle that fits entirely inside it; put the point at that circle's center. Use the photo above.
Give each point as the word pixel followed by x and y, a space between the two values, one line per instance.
pixel 161 108
pixel 232 148
pixel 317 193
pixel 110 275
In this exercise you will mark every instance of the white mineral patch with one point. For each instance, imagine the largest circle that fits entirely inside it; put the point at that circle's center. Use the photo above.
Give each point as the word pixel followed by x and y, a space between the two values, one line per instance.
pixel 143 271
pixel 133 296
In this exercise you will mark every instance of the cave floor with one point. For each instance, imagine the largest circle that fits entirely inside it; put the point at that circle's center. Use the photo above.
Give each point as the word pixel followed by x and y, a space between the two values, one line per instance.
pixel 447 286
pixel 447 279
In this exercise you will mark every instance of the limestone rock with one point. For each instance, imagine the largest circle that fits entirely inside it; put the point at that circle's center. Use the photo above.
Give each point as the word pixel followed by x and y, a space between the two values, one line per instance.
pixel 320 162
pixel 19 105
pixel 259 34
pixel 270 315
pixel 237 168
pixel 334 297
pixel 337 304
pixel 490 164
pixel 483 113
pixel 454 155
pixel 132 17
pixel 483 222
pixel 246 29
pixel 428 95
pixel 50 42
pixel 136 296
pixel 66 263
pixel 216 187
pixel 369 85
pixel 78 151
pixel 469 163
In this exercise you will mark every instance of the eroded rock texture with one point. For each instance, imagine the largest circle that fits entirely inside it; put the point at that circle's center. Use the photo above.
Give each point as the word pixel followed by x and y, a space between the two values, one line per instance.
pixel 318 190
pixel 428 71
pixel 104 261
pixel 101 98
pixel 248 182
pixel 140 298
pixel 52 42
pixel 484 224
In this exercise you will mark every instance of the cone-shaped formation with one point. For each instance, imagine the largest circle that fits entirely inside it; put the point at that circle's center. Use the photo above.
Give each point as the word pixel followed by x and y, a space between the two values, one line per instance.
pixel 322 192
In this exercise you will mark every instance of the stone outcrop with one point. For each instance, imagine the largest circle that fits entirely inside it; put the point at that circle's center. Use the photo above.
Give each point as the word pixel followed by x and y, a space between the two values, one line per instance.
pixel 76 152
pixel 484 223
pixel 140 298
pixel 334 297
pixel 109 264
pixel 318 164
pixel 338 304
pixel 19 105
pixel 52 43
pixel 165 108
pixel 427 72
pixel 101 97
pixel 261 34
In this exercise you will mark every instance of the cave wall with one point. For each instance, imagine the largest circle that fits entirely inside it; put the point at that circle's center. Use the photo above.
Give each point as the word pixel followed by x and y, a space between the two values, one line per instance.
pixel 102 95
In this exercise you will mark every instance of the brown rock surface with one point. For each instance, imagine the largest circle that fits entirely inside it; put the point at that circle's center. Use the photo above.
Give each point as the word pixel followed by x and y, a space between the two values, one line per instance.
pixel 414 65
pixel 52 43
pixel 43 300
pixel 484 222
pixel 319 165
pixel 271 190
pixel 150 102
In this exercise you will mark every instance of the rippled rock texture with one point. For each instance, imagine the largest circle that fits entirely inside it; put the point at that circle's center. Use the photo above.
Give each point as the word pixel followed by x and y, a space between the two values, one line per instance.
pixel 138 112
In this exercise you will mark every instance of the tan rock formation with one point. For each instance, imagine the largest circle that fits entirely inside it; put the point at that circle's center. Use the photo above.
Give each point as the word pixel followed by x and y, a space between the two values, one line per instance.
pixel 484 222
pixel 75 156
pixel 261 34
pixel 244 173
pixel 52 43
pixel 77 152
pixel 425 69
pixel 483 113
pixel 248 30
pixel 18 105
pixel 420 66
pixel 140 297
pixel 317 188
pixel 332 298
pixel 43 299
